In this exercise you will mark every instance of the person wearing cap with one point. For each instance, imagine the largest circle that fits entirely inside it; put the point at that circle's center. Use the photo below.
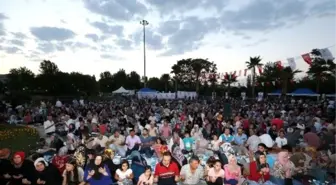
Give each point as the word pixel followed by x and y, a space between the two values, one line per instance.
pixel 22 171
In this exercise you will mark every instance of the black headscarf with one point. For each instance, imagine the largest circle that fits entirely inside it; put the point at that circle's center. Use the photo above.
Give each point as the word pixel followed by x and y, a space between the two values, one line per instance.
pixel 93 166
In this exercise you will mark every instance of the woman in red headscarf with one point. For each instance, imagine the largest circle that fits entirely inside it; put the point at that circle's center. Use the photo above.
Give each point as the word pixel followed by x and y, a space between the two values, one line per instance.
pixel 22 171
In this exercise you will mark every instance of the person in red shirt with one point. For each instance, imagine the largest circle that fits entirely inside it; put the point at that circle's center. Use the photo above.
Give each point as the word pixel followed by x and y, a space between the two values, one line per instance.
pixel 259 169
pixel 103 128
pixel 278 122
pixel 167 171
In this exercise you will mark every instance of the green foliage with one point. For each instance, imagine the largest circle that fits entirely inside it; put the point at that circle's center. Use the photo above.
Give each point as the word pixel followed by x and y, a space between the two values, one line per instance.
pixel 186 75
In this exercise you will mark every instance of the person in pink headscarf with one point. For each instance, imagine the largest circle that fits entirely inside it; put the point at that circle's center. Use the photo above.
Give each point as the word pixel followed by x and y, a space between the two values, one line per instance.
pixel 283 170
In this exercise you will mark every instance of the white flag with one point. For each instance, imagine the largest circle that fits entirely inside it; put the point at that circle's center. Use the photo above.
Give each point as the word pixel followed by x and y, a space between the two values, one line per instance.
pixel 291 63
pixel 273 82
pixel 326 54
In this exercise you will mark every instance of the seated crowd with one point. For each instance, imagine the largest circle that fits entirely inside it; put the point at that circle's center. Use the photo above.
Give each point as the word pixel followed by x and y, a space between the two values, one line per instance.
pixel 189 149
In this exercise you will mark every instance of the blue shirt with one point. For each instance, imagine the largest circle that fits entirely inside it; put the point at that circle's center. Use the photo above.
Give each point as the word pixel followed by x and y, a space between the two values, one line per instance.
pixel 271 158
pixel 226 139
pixel 188 142
pixel 240 140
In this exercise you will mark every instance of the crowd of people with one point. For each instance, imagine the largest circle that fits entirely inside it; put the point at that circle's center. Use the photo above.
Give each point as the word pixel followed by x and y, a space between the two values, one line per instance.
pixel 185 142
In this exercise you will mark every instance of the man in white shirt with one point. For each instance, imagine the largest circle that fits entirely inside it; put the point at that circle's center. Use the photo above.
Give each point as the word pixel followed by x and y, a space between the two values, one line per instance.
pixel 101 140
pixel 253 141
pixel 267 140
pixel 133 142
pixel 49 126
pixel 281 140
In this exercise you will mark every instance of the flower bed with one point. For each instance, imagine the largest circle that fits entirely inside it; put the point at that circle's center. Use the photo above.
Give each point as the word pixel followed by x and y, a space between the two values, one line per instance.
pixel 18 138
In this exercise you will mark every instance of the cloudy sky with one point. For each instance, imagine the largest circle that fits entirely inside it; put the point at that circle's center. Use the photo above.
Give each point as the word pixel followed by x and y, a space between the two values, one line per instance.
pixel 91 36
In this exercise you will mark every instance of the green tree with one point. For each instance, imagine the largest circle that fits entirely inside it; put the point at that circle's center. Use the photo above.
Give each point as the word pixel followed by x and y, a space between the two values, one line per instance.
pixel 21 79
pixel 165 78
pixel 251 65
pixel 133 81
pixel 190 70
pixel 154 83
pixel 105 82
pixel 320 69
pixel 230 79
pixel 178 76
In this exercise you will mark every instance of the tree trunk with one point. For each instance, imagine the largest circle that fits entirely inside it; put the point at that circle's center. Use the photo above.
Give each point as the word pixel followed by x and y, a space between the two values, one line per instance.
pixel 175 88
pixel 318 82
pixel 253 82
pixel 197 84
pixel 166 86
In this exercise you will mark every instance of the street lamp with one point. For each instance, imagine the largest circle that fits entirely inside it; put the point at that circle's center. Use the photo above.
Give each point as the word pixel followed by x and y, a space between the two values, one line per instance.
pixel 144 23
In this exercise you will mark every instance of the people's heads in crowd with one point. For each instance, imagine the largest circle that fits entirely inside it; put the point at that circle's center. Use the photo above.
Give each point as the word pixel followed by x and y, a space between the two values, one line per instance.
pixel 124 165
pixel 232 159
pixel 227 131
pixel 132 132
pixel 148 170
pixel 145 132
pixel 166 158
pixel 71 164
pixel 19 157
pixel 211 161
pixel 40 164
pixel 4 153
pixel 262 147
pixel 194 162
pixel 98 160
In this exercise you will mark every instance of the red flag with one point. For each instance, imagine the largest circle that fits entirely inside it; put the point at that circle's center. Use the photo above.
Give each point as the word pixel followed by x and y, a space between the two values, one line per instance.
pixel 245 72
pixel 279 65
pixel 307 59
pixel 260 69
pixel 239 74
pixel 234 73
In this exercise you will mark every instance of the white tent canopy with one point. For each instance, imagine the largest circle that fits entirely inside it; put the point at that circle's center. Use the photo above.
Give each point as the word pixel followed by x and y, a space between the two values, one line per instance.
pixel 121 90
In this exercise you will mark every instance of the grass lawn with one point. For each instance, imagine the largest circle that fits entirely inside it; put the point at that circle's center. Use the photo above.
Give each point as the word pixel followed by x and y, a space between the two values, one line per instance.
pixel 18 138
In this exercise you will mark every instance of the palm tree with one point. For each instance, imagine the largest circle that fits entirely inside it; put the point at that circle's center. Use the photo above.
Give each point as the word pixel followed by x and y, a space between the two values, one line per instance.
pixel 176 70
pixel 286 75
pixel 320 68
pixel 199 65
pixel 251 65
pixel 231 78
pixel 165 78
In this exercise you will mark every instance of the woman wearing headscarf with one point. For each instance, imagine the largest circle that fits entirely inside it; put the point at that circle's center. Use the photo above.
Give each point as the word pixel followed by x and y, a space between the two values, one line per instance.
pixel 22 171
pixel 108 160
pixel 97 173
pixel 47 174
pixel 60 159
pixel 201 145
pixel 73 174
pixel 232 171
pixel 283 170
pixel 71 143
pixel 196 132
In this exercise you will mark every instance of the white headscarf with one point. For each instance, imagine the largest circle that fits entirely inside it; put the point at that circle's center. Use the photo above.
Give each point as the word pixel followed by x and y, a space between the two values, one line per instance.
pixel 41 159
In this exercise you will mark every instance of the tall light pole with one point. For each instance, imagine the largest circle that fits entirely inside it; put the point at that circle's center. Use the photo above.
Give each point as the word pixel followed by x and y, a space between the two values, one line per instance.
pixel 144 23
